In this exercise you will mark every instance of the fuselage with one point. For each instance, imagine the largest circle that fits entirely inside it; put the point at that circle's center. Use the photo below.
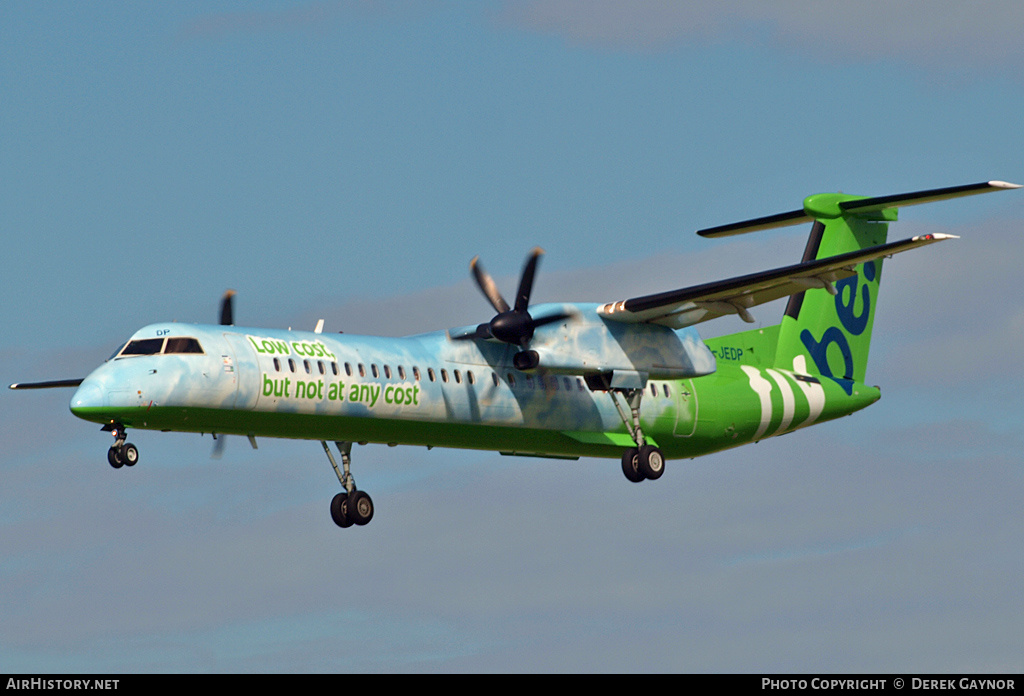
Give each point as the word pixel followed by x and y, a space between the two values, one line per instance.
pixel 432 391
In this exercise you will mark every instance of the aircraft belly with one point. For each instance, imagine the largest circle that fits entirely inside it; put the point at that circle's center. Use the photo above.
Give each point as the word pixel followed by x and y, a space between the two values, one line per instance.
pixel 742 404
pixel 736 406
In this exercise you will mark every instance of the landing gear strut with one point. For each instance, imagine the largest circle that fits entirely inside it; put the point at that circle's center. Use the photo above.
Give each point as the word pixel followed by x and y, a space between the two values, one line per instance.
pixel 643 461
pixel 351 506
pixel 122 453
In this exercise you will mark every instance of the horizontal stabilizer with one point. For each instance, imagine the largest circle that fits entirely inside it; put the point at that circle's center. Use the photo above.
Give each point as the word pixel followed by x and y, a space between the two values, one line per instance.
pixel 769 222
pixel 833 205
pixel 699 303
pixel 881 202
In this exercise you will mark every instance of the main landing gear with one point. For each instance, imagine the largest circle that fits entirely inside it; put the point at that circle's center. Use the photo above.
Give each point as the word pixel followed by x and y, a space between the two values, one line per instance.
pixel 643 461
pixel 122 453
pixel 351 506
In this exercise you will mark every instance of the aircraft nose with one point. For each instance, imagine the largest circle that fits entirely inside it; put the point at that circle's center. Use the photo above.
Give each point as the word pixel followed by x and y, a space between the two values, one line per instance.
pixel 90 395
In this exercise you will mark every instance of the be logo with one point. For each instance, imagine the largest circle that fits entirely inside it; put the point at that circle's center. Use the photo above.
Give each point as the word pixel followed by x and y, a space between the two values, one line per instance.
pixel 852 323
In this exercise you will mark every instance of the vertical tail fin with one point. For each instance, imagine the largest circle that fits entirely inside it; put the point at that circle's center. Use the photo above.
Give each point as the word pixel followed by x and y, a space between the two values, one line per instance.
pixel 829 332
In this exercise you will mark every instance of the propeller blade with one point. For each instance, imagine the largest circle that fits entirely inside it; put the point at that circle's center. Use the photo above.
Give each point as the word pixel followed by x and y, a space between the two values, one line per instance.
pixel 482 331
pixel 510 325
pixel 227 314
pixel 488 286
pixel 551 319
pixel 218 446
pixel 526 280
pixel 549 385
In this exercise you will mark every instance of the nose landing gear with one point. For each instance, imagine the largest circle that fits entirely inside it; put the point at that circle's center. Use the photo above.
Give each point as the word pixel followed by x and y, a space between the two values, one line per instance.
pixel 121 453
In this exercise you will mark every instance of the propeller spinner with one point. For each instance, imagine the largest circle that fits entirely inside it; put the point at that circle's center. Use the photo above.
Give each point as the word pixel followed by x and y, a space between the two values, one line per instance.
pixel 514 325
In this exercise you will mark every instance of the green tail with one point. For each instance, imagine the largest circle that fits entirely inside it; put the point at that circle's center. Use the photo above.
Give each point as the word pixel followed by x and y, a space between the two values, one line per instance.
pixel 826 331
pixel 826 334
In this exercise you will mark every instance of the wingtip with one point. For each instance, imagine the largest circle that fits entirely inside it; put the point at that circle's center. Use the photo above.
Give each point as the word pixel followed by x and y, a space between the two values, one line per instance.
pixel 1004 185
pixel 935 237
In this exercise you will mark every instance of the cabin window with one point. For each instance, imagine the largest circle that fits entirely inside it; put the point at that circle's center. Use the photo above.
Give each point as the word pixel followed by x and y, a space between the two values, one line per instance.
pixel 469 377
pixel 430 374
pixel 511 380
pixel 348 369
pixel 444 375
pixel 654 390
pixel 277 364
pixel 305 364
pixel 143 346
pixel 458 377
pixel 401 372
pixel 334 368
pixel 320 364
pixel 664 388
pixel 387 372
pixel 291 365
pixel 181 344
pixel 416 373
pixel 567 383
pixel 494 378
pixel 373 370
pixel 362 370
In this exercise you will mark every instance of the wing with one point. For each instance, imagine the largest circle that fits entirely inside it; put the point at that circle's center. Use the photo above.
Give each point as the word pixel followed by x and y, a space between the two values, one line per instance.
pixel 54 384
pixel 688 306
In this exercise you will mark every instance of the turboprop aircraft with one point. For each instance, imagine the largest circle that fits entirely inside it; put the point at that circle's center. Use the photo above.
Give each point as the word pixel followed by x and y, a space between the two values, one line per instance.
pixel 630 380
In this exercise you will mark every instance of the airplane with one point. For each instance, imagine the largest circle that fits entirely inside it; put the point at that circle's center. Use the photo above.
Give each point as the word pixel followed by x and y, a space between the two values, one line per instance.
pixel 630 380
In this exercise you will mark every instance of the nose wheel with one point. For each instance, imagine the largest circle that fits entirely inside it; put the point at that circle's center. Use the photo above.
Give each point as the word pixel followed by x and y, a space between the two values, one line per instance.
pixel 351 506
pixel 125 455
pixel 121 453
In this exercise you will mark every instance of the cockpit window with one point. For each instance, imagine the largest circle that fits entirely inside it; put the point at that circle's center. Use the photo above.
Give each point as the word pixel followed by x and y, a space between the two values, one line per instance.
pixel 182 345
pixel 116 352
pixel 153 346
pixel 143 346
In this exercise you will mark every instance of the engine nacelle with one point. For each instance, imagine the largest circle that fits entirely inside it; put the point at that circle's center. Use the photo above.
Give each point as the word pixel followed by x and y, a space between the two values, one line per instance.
pixel 585 344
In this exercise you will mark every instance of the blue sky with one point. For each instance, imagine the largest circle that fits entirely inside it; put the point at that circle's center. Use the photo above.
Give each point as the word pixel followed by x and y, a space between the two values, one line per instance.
pixel 345 160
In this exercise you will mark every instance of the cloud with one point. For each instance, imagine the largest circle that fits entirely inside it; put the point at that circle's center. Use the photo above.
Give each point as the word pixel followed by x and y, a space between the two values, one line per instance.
pixel 630 24
pixel 462 304
pixel 922 32
pixel 843 547
pixel 944 36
